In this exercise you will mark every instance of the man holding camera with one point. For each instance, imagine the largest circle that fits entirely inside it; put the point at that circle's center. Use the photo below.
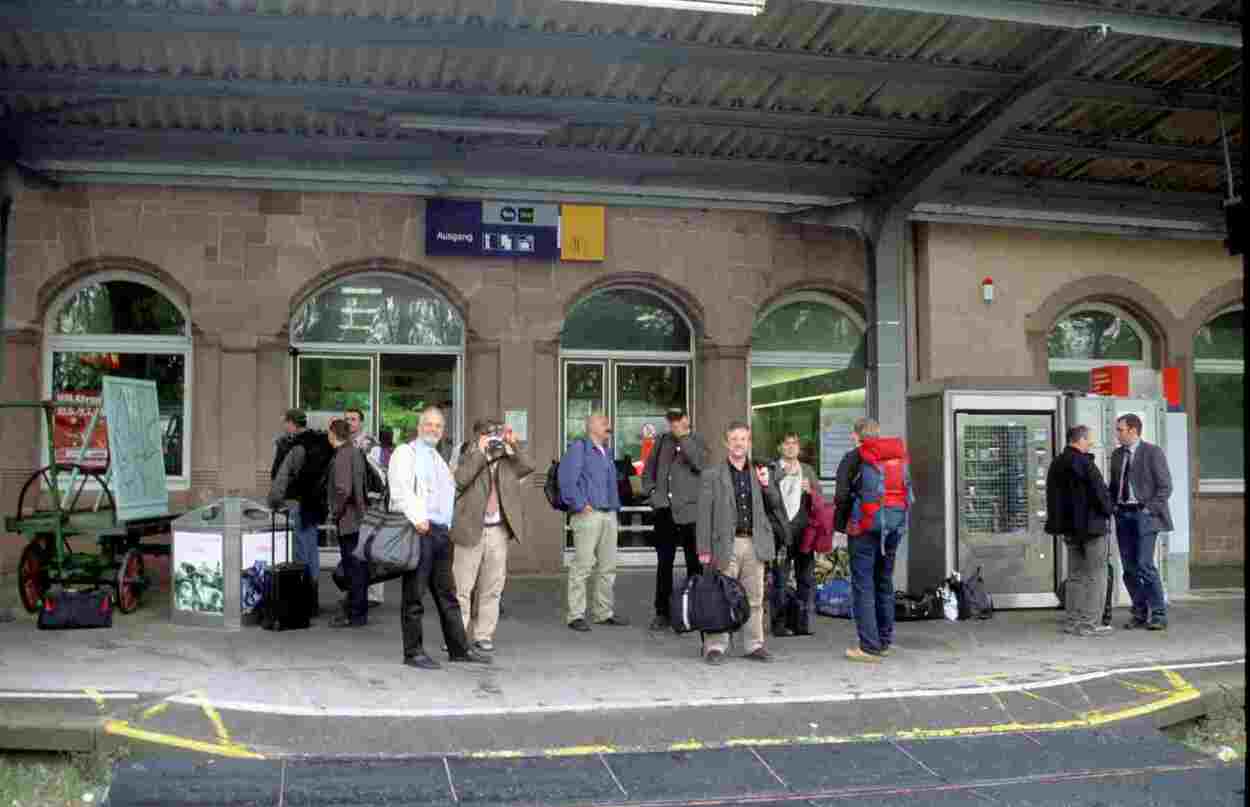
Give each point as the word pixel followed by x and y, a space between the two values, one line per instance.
pixel 670 480
pixel 488 514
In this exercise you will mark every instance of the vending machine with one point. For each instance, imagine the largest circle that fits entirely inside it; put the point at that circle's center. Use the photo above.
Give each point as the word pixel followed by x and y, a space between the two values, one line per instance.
pixel 979 455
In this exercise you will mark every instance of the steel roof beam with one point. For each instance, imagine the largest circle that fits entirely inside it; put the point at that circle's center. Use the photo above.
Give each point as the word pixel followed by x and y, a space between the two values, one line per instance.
pixel 431 153
pixel 358 99
pixel 1055 14
pixel 1162 98
pixel 992 123
pixel 1096 147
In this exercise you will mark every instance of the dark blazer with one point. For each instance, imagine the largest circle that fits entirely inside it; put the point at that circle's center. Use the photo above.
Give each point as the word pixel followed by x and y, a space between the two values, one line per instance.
pixel 682 474
pixel 1078 504
pixel 718 515
pixel 1152 482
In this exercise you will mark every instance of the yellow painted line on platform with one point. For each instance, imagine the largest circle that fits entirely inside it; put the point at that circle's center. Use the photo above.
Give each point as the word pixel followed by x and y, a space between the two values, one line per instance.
pixel 213 716
pixel 1182 691
pixel 1145 689
pixel 153 711
pixel 120 728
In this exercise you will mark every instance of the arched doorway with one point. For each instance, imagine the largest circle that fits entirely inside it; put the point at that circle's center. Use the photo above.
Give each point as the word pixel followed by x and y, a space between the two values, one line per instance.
pixel 807 377
pixel 384 343
pixel 628 352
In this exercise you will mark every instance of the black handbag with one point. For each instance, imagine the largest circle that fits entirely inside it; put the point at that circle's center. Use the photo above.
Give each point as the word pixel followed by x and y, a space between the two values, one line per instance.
pixel 69 610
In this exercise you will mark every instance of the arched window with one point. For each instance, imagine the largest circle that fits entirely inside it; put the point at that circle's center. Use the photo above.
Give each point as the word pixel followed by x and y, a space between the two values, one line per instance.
pixel 1092 335
pixel 379 310
pixel 1219 373
pixel 385 343
pixel 625 319
pixel 127 325
pixel 807 376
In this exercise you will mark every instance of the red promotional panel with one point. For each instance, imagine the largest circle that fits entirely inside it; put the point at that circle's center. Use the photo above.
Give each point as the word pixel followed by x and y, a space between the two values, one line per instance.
pixel 69 425
pixel 1172 388
pixel 1111 380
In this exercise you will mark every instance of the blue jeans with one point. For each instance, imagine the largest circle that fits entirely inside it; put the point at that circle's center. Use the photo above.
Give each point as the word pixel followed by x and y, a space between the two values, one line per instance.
pixel 306 551
pixel 872 580
pixel 1135 533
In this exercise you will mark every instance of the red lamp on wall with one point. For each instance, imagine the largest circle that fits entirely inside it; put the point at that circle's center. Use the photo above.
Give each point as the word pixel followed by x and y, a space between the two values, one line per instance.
pixel 987 290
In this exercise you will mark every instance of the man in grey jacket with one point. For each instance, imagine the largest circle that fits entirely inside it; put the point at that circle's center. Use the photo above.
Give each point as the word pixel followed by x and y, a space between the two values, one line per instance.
pixel 733 531
pixel 670 481
pixel 1140 487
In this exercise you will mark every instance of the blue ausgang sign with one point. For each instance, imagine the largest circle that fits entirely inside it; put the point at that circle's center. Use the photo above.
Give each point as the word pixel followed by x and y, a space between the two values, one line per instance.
pixel 511 229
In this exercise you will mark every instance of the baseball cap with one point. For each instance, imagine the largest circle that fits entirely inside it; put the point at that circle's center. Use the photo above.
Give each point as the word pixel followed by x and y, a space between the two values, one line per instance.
pixel 675 413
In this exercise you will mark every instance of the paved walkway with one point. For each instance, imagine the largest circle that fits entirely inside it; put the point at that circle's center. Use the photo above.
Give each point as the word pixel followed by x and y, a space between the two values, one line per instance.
pixel 326 691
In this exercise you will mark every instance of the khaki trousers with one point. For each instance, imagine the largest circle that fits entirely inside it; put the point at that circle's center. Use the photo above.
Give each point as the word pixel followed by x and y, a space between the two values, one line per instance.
pixel 480 572
pixel 594 554
pixel 748 570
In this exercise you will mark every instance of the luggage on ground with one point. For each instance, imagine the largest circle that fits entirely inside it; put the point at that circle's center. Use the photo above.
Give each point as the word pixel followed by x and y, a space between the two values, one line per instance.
pixel 974 599
pixel 287 593
pixel 709 603
pixel 833 598
pixel 64 609
pixel 914 607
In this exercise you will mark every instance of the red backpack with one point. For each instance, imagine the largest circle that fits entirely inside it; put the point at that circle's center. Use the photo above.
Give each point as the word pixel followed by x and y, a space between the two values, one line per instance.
pixel 884 481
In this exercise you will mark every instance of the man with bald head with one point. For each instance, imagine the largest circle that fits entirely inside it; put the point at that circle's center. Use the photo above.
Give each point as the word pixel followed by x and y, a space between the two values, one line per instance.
pixel 588 490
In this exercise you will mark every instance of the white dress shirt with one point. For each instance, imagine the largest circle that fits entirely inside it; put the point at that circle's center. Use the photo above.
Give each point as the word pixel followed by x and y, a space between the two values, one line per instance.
pixel 421 484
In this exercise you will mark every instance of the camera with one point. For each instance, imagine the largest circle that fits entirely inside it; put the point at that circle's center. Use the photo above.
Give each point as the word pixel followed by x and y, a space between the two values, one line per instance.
pixel 495 447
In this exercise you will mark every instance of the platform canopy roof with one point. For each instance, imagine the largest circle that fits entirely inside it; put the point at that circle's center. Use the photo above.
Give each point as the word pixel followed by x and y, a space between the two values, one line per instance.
pixel 1079 111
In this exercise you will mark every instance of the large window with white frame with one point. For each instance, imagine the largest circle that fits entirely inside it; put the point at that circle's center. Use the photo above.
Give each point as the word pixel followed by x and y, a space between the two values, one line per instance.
pixel 1091 335
pixel 126 325
pixel 1219 376
pixel 807 377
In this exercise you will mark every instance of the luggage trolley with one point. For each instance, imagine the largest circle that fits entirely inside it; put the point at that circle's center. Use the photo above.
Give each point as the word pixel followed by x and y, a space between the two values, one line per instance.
pixel 64 500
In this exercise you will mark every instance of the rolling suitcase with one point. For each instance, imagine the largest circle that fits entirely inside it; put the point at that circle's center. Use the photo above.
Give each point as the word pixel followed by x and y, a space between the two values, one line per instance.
pixel 287 602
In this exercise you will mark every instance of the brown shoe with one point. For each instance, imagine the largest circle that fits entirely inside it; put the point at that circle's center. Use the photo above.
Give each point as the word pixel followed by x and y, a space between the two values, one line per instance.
pixel 855 654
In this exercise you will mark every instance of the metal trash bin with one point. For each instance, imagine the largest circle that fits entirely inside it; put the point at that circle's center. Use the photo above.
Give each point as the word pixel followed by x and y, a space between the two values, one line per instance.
pixel 212 546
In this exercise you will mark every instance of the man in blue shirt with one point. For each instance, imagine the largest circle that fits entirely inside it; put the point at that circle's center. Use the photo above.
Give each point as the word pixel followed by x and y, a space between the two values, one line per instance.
pixel 588 488
pixel 422 489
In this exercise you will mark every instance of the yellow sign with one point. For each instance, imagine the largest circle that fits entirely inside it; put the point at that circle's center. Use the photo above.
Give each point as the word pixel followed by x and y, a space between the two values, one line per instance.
pixel 581 232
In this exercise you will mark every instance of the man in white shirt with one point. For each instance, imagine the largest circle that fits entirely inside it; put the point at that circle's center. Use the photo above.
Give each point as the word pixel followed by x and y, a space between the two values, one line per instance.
pixel 422 489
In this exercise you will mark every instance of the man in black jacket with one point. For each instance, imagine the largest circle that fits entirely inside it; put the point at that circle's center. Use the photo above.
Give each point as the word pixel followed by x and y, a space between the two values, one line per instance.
pixel 301 459
pixel 1078 507
pixel 670 481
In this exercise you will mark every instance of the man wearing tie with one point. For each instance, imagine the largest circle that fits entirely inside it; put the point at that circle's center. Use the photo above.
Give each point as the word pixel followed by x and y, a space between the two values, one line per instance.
pixel 1141 485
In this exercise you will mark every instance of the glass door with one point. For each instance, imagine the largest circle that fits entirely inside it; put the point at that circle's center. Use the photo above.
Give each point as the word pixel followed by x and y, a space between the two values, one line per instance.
pixel 1001 465
pixel 326 385
pixel 635 395
pixel 409 382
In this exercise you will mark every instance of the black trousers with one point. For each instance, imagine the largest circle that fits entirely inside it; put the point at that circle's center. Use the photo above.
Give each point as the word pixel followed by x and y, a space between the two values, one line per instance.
pixel 357 580
pixel 805 581
pixel 433 574
pixel 668 536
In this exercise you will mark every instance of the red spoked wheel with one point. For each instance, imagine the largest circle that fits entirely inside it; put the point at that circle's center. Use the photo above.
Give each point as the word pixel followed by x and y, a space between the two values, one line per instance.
pixel 32 575
pixel 130 581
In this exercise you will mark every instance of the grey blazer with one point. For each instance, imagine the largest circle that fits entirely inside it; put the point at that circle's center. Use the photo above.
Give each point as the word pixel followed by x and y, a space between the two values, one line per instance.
pixel 718 516
pixel 1152 482
pixel 683 477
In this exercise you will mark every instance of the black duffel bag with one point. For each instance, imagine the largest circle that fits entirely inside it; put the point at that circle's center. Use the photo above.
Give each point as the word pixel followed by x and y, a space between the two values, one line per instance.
pixel 388 544
pixel 69 610
pixel 709 603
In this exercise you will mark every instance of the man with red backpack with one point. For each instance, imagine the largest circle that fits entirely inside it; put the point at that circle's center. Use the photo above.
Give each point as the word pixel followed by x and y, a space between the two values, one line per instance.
pixel 873 498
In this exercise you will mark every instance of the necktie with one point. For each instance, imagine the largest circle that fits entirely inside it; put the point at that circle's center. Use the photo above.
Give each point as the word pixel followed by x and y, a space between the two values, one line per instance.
pixel 492 499
pixel 1128 464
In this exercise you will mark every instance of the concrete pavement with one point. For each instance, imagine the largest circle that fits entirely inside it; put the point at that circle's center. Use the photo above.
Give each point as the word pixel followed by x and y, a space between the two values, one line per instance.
pixel 325 691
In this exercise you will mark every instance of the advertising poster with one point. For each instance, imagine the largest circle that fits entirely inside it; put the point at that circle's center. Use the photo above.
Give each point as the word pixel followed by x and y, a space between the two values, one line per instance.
pixel 835 437
pixel 138 466
pixel 199 582
pixel 69 426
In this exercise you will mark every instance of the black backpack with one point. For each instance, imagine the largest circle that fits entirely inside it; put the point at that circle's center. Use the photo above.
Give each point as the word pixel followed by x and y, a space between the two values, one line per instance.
pixel 709 603
pixel 974 601
pixel 376 488
pixel 552 487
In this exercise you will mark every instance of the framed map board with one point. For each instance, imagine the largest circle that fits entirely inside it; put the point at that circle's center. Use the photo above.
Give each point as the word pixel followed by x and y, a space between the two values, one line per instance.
pixel 134 432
